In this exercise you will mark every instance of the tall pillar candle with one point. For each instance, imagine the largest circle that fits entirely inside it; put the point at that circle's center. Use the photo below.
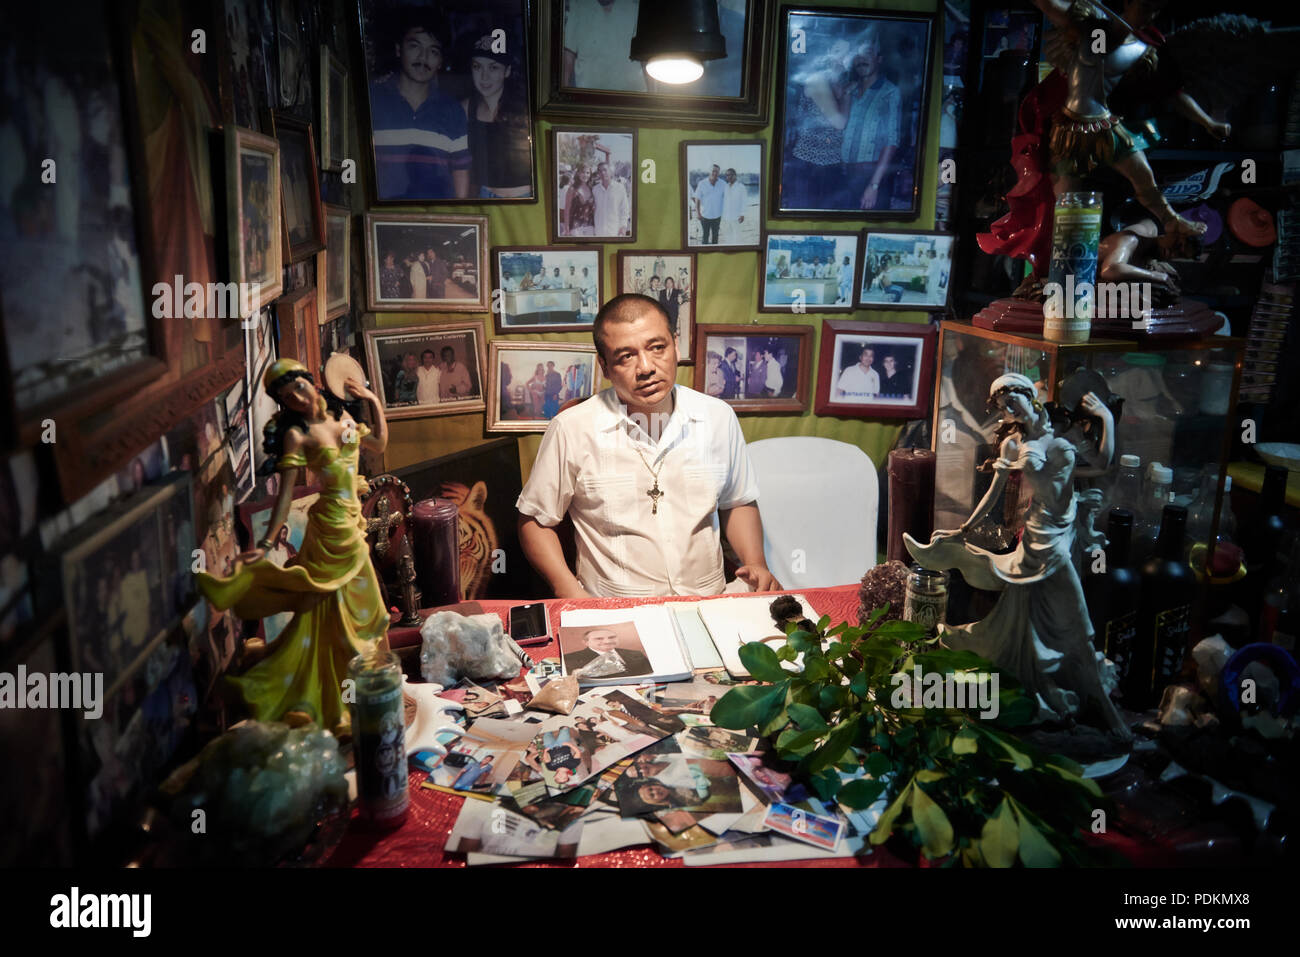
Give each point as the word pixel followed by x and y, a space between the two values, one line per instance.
pixel 1071 291
pixel 435 524
pixel 911 499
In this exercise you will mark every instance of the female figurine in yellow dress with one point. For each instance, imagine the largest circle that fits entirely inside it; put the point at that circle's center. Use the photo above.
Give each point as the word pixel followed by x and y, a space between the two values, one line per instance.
pixel 330 586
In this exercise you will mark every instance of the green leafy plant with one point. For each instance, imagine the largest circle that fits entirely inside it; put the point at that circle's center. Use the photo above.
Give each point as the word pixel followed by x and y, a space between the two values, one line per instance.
pixel 961 788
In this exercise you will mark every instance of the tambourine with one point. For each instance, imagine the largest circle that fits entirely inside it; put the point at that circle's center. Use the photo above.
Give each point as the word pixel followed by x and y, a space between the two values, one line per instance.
pixel 340 367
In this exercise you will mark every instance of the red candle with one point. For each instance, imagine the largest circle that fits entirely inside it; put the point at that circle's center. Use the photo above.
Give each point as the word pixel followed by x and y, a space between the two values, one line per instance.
pixel 911 499
pixel 437 551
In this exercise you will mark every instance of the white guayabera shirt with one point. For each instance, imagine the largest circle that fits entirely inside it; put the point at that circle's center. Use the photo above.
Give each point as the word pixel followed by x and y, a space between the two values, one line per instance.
pixel 588 466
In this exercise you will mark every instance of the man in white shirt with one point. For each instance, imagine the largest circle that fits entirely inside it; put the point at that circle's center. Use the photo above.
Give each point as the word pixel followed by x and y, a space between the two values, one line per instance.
pixel 859 381
pixel 709 197
pixel 775 380
pixel 649 471
pixel 430 378
pixel 734 203
pixel 613 208
pixel 596 38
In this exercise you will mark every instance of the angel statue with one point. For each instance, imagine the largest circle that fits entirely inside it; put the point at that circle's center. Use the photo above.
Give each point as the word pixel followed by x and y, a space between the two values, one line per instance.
pixel 1039 630
pixel 1091 111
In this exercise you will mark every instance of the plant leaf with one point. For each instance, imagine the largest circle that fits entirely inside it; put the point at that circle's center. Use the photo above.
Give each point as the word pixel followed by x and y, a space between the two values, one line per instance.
pixel 878 763
pixel 1035 849
pixel 1000 838
pixel 926 776
pixel 747 705
pixel 860 793
pixel 965 742
pixel 838 742
pixel 885 826
pixel 931 823
pixel 806 717
pixel 761 661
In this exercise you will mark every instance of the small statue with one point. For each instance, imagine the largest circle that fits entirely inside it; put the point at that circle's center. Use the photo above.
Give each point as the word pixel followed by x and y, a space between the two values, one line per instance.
pixel 330 585
pixel 1039 630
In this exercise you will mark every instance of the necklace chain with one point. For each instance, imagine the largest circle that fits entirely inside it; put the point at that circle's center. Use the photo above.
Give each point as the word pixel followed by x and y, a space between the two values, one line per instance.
pixel 656 492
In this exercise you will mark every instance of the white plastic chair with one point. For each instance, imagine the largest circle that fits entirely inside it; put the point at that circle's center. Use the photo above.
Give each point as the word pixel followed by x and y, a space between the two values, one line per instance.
pixel 818 499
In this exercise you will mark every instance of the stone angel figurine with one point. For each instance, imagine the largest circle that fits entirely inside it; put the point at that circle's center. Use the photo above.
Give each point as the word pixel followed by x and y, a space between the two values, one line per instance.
pixel 330 585
pixel 1039 629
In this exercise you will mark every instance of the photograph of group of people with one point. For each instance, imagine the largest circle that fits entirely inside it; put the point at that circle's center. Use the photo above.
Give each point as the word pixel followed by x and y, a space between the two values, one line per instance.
pixel 812 270
pixel 533 381
pixel 415 262
pixel 723 186
pixel 906 269
pixel 595 191
pixel 668 277
pixel 548 287
pixel 430 369
pixel 449 99
pixel 851 104
pixel 751 367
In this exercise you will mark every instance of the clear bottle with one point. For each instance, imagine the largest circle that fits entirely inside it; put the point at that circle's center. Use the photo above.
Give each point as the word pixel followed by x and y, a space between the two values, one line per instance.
pixel 1200 512
pixel 1157 492
pixel 1126 492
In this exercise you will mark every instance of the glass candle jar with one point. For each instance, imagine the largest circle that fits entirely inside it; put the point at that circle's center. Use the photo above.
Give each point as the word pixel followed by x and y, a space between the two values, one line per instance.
pixel 379 738
pixel 1071 289
pixel 926 599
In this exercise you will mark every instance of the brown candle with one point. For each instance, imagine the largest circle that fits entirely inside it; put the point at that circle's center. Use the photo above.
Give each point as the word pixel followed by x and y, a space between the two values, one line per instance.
pixel 437 551
pixel 911 499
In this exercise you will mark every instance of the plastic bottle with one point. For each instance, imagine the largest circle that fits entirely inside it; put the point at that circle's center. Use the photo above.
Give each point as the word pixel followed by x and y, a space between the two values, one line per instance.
pixel 1156 494
pixel 1126 492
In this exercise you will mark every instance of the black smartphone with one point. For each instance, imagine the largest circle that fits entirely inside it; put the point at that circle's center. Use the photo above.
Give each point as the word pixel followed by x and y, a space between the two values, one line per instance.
pixel 529 623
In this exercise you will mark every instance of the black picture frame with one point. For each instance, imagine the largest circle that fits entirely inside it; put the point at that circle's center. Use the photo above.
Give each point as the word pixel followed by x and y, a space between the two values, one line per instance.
pixel 821 56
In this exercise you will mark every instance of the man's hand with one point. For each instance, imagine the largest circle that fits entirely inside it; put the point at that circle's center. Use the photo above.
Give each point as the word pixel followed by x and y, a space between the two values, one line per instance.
pixel 758 578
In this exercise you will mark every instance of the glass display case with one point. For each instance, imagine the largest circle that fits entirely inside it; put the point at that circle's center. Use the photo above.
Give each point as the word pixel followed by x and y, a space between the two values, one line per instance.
pixel 1178 403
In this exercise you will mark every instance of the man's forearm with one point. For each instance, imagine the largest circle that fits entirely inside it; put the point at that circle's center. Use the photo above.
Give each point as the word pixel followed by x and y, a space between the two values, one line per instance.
pixel 744 530
pixel 542 548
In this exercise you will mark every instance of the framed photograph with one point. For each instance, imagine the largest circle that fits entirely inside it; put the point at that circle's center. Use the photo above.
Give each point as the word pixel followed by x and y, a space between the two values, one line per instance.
pixel 851 111
pixel 417 262
pixel 253 210
pixel 876 370
pixel 755 368
pixel 484 483
pixel 427 370
pixel 722 194
pixel 530 381
pixel 466 64
pixel 333 110
pixel 299 329
pixel 246 47
pixel 814 272
pixel 670 276
pixel 586 43
pixel 906 269
pixel 593 185
pixel 304 221
pixel 338 262
pixel 127 579
pixel 255 517
pixel 543 289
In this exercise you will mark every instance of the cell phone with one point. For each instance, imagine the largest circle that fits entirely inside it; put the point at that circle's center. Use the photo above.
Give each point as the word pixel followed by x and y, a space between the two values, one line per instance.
pixel 529 623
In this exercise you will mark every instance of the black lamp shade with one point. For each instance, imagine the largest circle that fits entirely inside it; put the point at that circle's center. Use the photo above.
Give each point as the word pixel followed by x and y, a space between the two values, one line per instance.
pixel 686 28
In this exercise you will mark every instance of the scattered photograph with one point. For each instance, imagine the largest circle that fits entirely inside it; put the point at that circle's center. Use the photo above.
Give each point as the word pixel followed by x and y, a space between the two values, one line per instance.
pixel 419 262
pixel 815 829
pixel 722 183
pixel 593 185
pixel 876 369
pixel 449 97
pixel 598 654
pixel 427 370
pixel 809 272
pixel 556 290
pixel 755 368
pixel 676 782
pixel 668 276
pixel 772 783
pixel 906 270
pixel 532 381
pixel 851 109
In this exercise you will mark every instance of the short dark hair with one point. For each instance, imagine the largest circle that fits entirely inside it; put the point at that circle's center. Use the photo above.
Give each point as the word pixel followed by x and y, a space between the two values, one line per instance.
pixel 625 308
pixel 446 349
pixel 427 352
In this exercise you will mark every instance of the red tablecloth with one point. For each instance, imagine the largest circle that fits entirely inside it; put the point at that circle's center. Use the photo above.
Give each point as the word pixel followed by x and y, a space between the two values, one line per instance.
pixel 420 840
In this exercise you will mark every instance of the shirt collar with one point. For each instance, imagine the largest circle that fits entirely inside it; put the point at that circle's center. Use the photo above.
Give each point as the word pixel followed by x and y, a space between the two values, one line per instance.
pixel 613 415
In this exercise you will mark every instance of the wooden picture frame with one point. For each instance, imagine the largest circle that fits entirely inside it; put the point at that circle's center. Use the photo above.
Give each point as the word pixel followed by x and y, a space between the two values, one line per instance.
pixel 921 271
pixel 578 297
pixel 808 182
pixel 792 277
pixel 298 319
pixel 336 281
pixel 396 386
pixel 730 234
pixel 569 153
pixel 515 407
pixel 335 96
pixel 303 218
pixel 404 235
pixel 746 340
pixel 634 276
pixel 910 345
pixel 713 106
pixel 249 219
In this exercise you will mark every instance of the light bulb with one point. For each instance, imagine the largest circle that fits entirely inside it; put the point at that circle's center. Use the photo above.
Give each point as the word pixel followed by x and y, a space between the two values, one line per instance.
pixel 675 69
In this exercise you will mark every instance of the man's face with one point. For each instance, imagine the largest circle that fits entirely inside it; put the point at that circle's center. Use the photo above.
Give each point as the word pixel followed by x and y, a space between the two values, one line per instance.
pixel 420 55
pixel 713 175
pixel 640 358
pixel 866 358
pixel 867 59
pixel 731 176
pixel 603 170
pixel 430 255
pixel 654 283
pixel 427 358
pixel 602 642
pixel 449 357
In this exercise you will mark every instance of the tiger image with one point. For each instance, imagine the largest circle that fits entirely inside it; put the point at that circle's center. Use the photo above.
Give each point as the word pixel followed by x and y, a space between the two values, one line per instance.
pixel 477 537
